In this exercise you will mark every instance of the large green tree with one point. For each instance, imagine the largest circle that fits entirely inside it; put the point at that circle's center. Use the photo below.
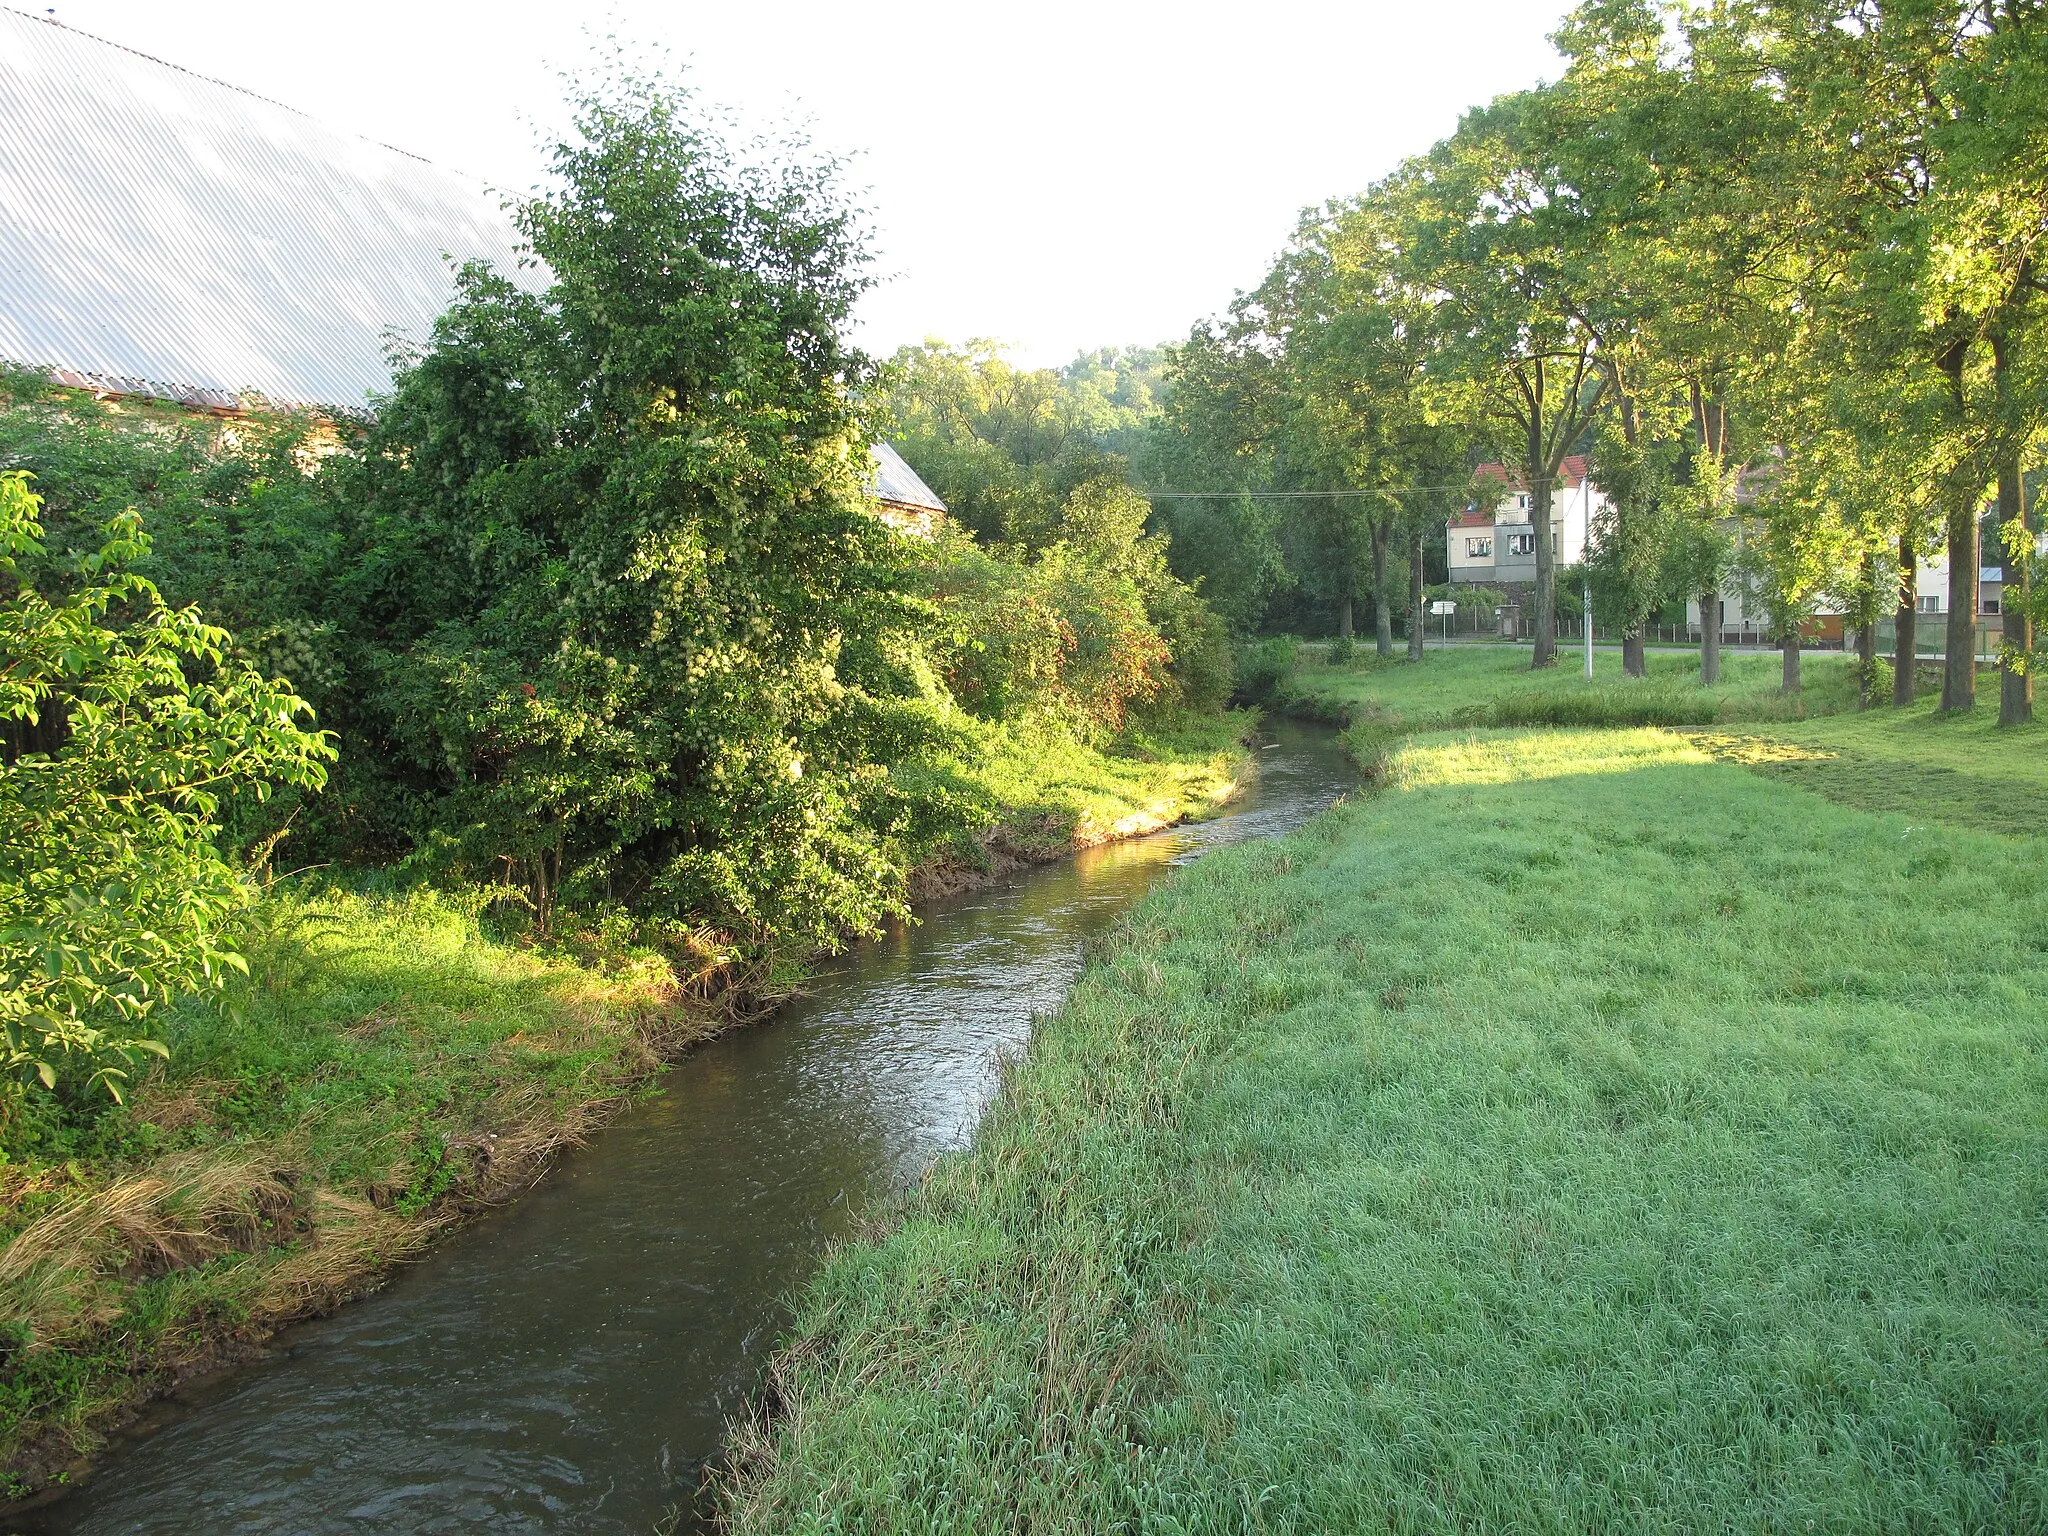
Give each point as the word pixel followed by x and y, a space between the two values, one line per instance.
pixel 1487 229
pixel 631 630
pixel 1926 124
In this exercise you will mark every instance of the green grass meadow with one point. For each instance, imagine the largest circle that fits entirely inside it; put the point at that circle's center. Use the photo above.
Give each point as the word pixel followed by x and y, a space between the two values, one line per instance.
pixel 1584 1132
pixel 1494 685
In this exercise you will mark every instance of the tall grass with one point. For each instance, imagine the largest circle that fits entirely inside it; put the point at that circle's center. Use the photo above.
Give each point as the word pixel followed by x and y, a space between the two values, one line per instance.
pixel 1580 1135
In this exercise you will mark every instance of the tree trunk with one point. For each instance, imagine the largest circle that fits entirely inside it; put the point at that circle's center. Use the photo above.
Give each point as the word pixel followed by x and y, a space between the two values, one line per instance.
pixel 1344 617
pixel 1906 623
pixel 2015 602
pixel 1959 671
pixel 1634 659
pixel 1959 666
pixel 1710 419
pixel 1417 617
pixel 1790 642
pixel 1382 612
pixel 1546 567
pixel 1866 633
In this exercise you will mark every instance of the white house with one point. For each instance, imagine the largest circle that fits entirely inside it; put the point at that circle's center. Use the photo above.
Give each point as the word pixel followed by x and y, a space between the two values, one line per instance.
pixel 1492 544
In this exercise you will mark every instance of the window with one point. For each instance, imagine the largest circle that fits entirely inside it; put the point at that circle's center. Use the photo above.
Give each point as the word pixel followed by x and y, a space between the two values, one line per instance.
pixel 1521 543
pixel 1988 604
pixel 1522 502
pixel 1929 604
pixel 1478 549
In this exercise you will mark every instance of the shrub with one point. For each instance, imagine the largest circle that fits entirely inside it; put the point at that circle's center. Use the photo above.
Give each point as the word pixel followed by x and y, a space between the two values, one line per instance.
pixel 1264 666
pixel 1198 642
pixel 114 767
pixel 628 627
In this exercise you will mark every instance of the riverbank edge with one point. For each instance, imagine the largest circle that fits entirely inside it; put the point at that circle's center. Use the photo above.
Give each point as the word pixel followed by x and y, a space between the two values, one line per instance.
pixel 324 1265
pixel 1127 963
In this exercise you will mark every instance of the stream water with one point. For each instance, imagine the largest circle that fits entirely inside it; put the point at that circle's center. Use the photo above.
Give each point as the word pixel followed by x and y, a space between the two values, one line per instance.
pixel 568 1364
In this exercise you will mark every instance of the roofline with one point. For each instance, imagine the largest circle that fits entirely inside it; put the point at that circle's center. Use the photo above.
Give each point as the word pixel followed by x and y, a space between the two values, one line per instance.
pixel 240 90
pixel 197 397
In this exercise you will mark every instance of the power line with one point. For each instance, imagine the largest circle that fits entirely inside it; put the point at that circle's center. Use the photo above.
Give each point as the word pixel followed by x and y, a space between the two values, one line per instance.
pixel 1381 490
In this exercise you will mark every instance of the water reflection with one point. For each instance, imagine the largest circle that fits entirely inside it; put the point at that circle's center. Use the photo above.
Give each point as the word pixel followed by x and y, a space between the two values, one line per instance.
pixel 567 1364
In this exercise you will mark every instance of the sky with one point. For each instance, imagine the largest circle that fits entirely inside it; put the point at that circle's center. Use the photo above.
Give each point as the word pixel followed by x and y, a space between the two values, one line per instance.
pixel 1053 177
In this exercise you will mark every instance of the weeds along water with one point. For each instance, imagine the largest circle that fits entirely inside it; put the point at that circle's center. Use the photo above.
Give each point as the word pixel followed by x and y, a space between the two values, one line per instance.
pixel 571 1361
pixel 399 1058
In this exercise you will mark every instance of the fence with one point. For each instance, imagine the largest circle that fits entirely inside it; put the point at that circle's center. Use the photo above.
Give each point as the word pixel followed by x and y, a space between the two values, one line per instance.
pixel 1930 634
pixel 1930 637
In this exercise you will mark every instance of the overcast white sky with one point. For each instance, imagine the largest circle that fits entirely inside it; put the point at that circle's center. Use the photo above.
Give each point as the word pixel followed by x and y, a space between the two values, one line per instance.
pixel 1055 176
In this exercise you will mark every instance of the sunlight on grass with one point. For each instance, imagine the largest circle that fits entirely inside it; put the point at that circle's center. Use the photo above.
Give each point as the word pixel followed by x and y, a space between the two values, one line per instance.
pixel 1504 757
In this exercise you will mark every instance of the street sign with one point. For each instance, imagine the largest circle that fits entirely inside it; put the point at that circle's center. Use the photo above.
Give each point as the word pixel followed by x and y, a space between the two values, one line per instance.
pixel 1443 607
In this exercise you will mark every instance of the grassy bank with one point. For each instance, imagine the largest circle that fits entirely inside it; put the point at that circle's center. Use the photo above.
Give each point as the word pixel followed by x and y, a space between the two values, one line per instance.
pixel 1962 770
pixel 1493 685
pixel 1929 767
pixel 397 1060
pixel 1581 1134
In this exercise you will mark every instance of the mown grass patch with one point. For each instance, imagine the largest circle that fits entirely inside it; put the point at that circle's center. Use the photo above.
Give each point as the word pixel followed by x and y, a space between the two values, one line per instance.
pixel 1580 1135
pixel 1957 770
pixel 1493 685
pixel 1961 770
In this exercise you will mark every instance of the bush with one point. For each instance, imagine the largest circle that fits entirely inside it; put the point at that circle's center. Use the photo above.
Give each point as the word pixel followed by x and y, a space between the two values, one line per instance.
pixel 628 628
pixel 114 767
pixel 1201 667
pixel 1264 666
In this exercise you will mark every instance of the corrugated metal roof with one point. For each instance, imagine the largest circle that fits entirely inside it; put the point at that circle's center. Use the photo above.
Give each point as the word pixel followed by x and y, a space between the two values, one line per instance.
pixel 898 484
pixel 165 233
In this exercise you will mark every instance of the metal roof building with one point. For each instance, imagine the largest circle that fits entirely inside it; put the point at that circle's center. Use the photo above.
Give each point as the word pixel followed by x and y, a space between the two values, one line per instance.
pixel 162 233
pixel 906 500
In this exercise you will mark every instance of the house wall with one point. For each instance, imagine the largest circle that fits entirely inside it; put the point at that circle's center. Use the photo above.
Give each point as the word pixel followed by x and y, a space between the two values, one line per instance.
pixel 1464 566
pixel 1573 508
pixel 1930 588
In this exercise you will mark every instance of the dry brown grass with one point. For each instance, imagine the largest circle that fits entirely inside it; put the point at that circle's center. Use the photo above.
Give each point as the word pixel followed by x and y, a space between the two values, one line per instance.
pixel 59 1275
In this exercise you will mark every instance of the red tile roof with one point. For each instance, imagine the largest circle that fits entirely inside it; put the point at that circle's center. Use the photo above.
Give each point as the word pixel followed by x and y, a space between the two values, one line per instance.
pixel 1570 474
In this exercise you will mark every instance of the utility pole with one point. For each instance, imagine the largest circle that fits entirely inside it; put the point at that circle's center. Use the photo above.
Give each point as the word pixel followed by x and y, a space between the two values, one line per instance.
pixel 1589 625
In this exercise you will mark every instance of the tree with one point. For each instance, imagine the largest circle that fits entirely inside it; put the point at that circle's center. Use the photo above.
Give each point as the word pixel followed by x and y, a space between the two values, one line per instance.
pixel 1926 121
pixel 633 631
pixel 1485 231
pixel 1679 154
pixel 1209 439
pixel 125 728
pixel 1330 361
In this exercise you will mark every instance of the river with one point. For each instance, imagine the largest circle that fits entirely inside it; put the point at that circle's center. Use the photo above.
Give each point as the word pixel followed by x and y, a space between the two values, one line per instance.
pixel 568 1363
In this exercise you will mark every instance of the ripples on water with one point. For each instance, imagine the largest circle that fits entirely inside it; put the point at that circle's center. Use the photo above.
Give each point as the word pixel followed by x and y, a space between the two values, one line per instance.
pixel 568 1363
